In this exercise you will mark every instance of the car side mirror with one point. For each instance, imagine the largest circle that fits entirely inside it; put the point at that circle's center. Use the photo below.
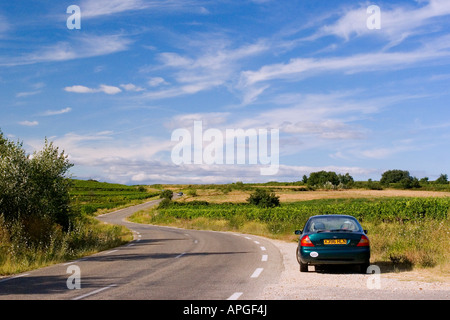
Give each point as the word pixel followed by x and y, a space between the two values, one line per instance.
pixel 298 232
pixel 366 231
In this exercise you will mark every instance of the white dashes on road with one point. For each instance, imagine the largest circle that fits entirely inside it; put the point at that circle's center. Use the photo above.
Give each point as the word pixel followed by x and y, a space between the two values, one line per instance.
pixel 257 273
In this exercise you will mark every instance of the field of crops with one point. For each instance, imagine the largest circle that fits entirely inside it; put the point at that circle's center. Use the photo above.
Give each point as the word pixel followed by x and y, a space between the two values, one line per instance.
pixel 89 195
pixel 296 213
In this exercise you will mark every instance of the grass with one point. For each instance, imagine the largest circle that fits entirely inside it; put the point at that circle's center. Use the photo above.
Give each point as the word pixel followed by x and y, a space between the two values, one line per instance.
pixel 27 245
pixel 18 255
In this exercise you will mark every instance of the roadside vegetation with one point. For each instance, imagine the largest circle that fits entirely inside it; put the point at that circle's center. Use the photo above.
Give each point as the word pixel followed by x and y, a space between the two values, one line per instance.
pixel 45 217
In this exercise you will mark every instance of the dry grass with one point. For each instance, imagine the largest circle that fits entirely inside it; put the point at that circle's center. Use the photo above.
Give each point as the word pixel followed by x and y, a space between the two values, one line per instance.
pixel 286 194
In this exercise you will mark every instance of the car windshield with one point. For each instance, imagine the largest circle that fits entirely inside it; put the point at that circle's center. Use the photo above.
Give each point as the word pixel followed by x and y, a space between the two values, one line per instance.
pixel 333 224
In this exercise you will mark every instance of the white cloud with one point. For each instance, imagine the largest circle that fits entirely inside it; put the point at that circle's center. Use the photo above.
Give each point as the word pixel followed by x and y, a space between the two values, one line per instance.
pixel 156 81
pixel 300 68
pixel 212 63
pixel 56 112
pixel 132 87
pixel 29 123
pixel 109 89
pixel 27 93
pixel 84 46
pixel 98 8
pixel 102 88
pixel 397 21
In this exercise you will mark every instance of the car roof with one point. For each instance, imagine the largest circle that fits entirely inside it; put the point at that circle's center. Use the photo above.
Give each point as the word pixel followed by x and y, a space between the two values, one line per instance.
pixel 332 215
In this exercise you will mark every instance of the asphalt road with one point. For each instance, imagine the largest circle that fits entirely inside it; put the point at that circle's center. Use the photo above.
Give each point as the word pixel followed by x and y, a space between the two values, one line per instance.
pixel 162 263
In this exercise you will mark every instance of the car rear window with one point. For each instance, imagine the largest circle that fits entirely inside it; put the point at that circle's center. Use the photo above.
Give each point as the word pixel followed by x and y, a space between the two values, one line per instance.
pixel 338 223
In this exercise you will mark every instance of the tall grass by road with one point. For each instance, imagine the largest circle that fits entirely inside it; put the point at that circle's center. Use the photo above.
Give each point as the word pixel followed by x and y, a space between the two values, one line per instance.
pixel 32 242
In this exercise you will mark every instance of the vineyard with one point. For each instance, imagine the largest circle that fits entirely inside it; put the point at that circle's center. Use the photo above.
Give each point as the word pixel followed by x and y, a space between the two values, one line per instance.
pixel 296 213
pixel 88 196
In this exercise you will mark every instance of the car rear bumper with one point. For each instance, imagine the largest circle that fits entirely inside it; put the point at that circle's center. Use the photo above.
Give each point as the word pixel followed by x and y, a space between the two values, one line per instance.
pixel 320 256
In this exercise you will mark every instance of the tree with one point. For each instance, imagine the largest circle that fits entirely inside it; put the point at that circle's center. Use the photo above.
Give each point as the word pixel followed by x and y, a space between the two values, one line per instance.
pixel 320 178
pixel 34 187
pixel 395 176
pixel 166 194
pixel 324 178
pixel 443 179
pixel 263 198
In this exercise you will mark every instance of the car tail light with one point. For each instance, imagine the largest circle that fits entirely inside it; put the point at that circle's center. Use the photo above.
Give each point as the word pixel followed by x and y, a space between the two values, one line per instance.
pixel 306 242
pixel 364 242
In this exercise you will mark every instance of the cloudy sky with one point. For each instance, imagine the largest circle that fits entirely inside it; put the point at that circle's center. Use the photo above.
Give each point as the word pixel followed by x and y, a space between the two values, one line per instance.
pixel 343 94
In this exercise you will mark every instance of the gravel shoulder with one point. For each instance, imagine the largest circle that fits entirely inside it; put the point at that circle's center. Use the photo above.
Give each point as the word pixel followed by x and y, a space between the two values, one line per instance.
pixel 347 284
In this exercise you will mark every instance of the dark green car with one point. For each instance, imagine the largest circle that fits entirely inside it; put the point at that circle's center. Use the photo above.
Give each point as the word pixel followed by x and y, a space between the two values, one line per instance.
pixel 333 240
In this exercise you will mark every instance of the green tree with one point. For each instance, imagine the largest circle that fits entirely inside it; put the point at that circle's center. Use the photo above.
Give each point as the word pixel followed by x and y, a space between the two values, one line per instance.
pixel 395 176
pixel 166 194
pixel 49 184
pixel 34 187
pixel 443 179
pixel 264 198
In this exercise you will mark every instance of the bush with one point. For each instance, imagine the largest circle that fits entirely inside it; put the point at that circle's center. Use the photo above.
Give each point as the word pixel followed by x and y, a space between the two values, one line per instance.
pixel 166 194
pixel 34 186
pixel 264 199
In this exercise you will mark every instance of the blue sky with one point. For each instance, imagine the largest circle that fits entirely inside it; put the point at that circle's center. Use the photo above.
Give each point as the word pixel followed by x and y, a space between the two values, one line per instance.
pixel 343 96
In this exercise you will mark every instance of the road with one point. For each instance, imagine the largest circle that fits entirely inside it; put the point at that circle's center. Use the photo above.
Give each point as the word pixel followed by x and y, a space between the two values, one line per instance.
pixel 162 263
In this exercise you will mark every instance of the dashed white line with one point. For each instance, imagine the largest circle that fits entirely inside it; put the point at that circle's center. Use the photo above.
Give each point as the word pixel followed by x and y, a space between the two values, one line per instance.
pixel 257 272
pixel 235 296
pixel 256 242
pixel 263 248
pixel 94 292
pixel 264 257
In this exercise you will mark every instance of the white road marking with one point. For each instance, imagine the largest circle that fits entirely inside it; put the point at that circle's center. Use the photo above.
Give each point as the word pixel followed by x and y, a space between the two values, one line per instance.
pixel 108 252
pixel 94 292
pixel 263 248
pixel 264 257
pixel 248 238
pixel 257 273
pixel 75 261
pixel 235 296
pixel 256 242
pixel 19 276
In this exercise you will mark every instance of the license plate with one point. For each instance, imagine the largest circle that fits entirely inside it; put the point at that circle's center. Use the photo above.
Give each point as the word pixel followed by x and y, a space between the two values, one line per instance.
pixel 334 241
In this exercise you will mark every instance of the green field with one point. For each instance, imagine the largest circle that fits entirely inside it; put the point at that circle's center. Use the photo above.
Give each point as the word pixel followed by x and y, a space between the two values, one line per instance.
pixel 88 196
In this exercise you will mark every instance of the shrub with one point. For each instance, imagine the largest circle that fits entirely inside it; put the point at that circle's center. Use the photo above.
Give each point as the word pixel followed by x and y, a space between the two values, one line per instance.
pixel 166 194
pixel 263 198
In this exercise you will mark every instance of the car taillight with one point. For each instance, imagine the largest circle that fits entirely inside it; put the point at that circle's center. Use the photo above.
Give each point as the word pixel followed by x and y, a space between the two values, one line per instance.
pixel 306 242
pixel 364 242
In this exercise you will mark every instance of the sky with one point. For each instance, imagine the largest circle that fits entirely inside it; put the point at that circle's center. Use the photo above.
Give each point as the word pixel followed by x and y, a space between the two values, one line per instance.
pixel 127 88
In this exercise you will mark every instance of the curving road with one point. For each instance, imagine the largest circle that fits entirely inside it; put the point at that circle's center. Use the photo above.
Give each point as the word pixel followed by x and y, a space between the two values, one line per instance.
pixel 161 263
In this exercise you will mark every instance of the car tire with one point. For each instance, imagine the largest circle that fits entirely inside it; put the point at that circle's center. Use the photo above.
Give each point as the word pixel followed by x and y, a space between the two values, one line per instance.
pixel 363 267
pixel 303 267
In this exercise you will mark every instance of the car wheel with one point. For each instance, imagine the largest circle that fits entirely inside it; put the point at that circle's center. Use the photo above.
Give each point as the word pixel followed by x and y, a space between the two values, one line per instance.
pixel 297 255
pixel 303 267
pixel 363 267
